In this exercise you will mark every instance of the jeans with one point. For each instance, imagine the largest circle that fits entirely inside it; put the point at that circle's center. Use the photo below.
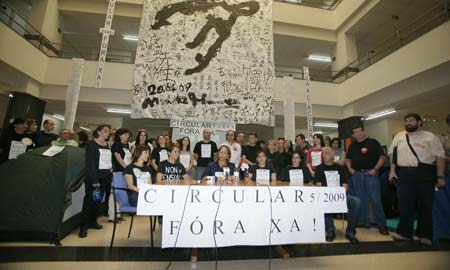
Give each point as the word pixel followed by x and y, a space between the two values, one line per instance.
pixel 414 195
pixel 353 205
pixel 133 198
pixel 367 187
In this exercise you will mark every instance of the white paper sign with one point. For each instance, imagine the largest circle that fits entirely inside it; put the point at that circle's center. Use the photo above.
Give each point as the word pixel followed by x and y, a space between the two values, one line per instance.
pixel 206 151
pixel 143 179
pixel 104 162
pixel 127 157
pixel 163 155
pixel 16 149
pixel 185 159
pixel 262 176
pixel 53 151
pixel 296 177
pixel 333 178
pixel 316 158
pixel 245 213
pixel 337 158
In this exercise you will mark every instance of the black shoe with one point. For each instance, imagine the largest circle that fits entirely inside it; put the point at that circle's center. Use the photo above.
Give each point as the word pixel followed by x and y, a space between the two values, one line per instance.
pixel 363 226
pixel 330 237
pixel 83 232
pixel 114 221
pixel 95 226
pixel 352 239
pixel 383 230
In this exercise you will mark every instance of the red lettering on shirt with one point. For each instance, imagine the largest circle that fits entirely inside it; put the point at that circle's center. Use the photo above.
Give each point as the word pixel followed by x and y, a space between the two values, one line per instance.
pixel 419 145
pixel 364 150
pixel 234 148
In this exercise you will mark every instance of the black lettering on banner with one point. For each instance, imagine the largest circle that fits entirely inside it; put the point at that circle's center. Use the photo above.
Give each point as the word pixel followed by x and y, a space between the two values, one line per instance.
pixel 279 195
pixel 275 226
pixel 295 224
pixel 173 196
pixel 239 226
pixel 242 197
pixel 197 192
pixel 199 224
pixel 218 227
pixel 298 195
pixel 257 197
pixel 150 102
pixel 146 194
pixel 172 227
pixel 220 196
pixel 312 197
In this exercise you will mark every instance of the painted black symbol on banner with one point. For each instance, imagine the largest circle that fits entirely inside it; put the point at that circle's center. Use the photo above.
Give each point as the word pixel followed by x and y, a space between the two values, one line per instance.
pixel 222 27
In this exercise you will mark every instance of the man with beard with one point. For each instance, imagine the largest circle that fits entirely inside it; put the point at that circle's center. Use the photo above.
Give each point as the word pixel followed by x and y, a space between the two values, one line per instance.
pixel 420 159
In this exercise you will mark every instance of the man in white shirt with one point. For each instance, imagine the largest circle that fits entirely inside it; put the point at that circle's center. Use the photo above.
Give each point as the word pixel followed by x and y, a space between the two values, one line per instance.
pixel 420 159
pixel 235 148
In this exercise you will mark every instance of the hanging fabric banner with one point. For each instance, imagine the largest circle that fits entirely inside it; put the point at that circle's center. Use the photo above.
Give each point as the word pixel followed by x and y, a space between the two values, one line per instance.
pixel 289 110
pixel 106 31
pixel 205 60
pixel 73 92
pixel 309 118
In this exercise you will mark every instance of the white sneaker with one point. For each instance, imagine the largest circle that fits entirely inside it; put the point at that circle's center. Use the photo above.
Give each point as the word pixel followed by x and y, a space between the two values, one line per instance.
pixel 398 237
pixel 425 241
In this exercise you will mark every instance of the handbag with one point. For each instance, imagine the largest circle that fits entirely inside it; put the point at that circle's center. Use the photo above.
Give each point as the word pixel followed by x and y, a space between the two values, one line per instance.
pixel 425 172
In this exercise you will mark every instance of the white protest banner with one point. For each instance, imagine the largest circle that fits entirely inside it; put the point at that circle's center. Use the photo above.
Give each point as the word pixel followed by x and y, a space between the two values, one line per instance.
pixel 106 31
pixel 244 217
pixel 309 118
pixel 194 130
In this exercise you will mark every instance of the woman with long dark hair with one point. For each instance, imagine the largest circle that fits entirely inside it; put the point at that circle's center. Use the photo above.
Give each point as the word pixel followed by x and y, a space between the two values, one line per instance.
pixel 137 173
pixel 186 157
pixel 314 154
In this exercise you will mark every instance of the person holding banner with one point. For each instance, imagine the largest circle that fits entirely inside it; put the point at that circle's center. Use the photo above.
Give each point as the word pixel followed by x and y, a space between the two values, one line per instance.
pixel 205 151
pixel 296 173
pixel 218 169
pixel 330 174
pixel 262 172
pixel 234 147
pixel 186 157
pixel 137 173
pixel 15 141
pixel 171 169
pixel 314 154
pixel 159 155
pixel 96 176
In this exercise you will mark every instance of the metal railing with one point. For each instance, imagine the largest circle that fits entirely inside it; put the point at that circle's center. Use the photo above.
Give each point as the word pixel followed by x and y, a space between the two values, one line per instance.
pixel 429 20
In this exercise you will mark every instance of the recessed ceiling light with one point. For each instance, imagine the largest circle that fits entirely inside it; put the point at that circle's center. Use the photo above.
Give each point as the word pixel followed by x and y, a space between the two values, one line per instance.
pixel 131 38
pixel 319 58
pixel 123 111
pixel 380 114
pixel 327 125
pixel 58 116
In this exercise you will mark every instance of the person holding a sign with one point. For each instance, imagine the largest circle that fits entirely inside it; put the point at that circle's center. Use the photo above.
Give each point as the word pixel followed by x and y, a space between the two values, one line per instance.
pixel 15 141
pixel 159 155
pixel 205 151
pixel 330 174
pixel 121 158
pixel 338 153
pixel 137 173
pixel 262 172
pixel 171 169
pixel 296 173
pixel 314 154
pixel 221 169
pixel 234 147
pixel 96 176
pixel 186 157
pixel 365 158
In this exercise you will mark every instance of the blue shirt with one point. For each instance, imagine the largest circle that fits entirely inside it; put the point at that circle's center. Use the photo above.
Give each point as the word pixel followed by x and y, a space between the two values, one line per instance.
pixel 214 167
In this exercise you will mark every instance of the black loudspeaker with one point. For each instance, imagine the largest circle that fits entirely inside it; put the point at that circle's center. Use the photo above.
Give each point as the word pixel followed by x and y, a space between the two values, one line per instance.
pixel 25 106
pixel 346 125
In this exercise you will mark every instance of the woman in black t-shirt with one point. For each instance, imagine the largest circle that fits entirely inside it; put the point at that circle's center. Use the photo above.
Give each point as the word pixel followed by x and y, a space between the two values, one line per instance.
pixel 261 167
pixel 297 171
pixel 97 175
pixel 137 173
pixel 171 169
